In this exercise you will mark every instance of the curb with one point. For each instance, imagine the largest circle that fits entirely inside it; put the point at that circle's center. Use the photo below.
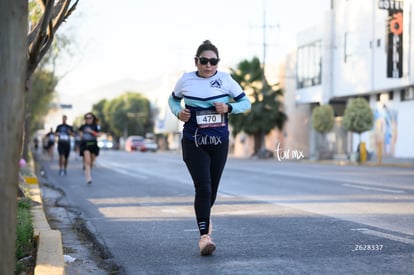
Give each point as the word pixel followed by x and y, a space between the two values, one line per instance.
pixel 49 257
pixel 368 163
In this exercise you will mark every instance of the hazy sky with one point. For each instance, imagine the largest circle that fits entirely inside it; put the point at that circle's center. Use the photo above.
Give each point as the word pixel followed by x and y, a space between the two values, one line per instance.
pixel 143 39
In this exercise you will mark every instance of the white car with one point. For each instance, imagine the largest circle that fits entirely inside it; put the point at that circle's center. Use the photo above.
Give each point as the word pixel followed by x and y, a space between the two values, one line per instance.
pixel 150 145
pixel 105 144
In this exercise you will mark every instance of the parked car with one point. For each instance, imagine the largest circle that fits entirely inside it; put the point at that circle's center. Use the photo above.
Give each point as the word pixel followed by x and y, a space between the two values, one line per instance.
pixel 134 143
pixel 150 145
pixel 141 144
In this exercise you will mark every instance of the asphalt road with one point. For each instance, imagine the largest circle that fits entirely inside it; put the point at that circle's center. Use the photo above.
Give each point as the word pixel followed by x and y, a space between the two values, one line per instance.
pixel 271 217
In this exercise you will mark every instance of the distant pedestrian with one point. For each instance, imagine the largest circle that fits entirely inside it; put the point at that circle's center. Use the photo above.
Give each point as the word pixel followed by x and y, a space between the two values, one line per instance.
pixel 89 150
pixel 77 142
pixel 50 143
pixel 36 143
pixel 209 96
pixel 63 132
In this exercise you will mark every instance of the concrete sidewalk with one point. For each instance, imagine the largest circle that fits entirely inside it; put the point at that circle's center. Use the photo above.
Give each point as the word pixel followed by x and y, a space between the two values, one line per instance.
pixel 54 229
pixel 386 162
pixel 49 257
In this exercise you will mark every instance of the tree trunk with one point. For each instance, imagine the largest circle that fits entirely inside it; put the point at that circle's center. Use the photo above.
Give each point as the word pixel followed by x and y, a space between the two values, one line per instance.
pixel 13 48
pixel 259 146
pixel 257 143
pixel 27 121
pixel 26 137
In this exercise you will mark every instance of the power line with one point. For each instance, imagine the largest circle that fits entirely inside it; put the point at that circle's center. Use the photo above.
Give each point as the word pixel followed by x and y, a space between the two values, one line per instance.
pixel 264 27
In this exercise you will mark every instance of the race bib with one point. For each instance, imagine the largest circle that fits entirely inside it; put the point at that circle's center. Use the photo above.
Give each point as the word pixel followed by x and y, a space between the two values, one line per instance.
pixel 208 118
pixel 63 137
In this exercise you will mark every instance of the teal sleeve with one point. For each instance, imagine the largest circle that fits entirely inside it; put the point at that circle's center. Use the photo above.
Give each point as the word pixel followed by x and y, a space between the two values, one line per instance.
pixel 241 105
pixel 175 104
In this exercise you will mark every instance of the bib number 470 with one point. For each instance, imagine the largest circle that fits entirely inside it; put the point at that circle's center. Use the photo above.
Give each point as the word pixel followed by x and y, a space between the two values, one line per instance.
pixel 209 118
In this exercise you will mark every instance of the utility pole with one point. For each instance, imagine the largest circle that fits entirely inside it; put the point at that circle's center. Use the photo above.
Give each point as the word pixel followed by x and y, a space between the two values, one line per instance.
pixel 264 28
pixel 262 151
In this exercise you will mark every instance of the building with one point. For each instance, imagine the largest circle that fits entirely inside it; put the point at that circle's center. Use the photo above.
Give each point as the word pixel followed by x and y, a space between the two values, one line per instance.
pixel 361 49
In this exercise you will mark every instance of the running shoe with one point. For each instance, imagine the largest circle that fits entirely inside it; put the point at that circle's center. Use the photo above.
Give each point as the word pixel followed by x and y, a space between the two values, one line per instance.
pixel 206 245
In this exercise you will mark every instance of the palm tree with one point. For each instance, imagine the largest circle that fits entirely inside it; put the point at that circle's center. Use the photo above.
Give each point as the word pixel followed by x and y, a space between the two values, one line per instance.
pixel 267 109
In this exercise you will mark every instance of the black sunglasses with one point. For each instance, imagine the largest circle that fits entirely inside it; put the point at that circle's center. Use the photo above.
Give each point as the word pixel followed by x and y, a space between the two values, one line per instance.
pixel 205 60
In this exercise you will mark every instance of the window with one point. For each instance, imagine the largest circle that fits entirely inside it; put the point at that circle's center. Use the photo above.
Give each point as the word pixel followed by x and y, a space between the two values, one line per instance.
pixel 309 65
pixel 407 94
pixel 351 45
pixel 383 97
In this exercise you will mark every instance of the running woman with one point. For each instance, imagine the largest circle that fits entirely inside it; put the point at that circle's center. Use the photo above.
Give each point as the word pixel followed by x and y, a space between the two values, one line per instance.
pixel 63 132
pixel 89 149
pixel 209 96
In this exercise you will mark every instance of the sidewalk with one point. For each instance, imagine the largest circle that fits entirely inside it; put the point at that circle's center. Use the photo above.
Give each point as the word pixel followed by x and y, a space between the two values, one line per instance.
pixel 49 256
pixel 53 230
pixel 386 162
pixel 398 162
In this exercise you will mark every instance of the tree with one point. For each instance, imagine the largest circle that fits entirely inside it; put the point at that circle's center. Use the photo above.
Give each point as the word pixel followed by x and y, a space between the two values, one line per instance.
pixel 267 109
pixel 128 114
pixel 358 116
pixel 40 95
pixel 323 120
pixel 20 53
pixel 54 44
pixel 98 110
pixel 42 34
pixel 13 47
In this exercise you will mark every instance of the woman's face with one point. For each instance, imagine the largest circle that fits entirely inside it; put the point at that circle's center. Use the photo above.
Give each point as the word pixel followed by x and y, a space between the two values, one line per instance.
pixel 89 119
pixel 207 70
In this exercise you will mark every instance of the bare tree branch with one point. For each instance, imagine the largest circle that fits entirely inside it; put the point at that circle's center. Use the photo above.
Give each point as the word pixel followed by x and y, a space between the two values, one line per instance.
pixel 41 37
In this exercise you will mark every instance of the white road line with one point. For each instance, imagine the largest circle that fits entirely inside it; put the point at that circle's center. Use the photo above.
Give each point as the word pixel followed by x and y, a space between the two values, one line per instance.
pixel 113 166
pixel 128 173
pixel 143 173
pixel 385 235
pixel 374 188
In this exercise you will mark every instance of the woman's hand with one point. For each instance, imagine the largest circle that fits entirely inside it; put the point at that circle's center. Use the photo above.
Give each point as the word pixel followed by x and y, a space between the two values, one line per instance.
pixel 184 115
pixel 221 107
pixel 92 132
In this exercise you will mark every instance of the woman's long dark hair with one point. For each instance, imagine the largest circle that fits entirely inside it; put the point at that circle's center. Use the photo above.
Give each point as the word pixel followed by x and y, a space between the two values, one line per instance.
pixel 95 119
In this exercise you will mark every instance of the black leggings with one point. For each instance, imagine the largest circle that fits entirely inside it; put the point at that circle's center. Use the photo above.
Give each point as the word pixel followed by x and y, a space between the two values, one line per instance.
pixel 205 164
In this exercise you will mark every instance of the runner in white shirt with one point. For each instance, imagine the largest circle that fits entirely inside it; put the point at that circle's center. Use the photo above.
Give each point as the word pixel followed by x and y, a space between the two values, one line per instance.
pixel 209 96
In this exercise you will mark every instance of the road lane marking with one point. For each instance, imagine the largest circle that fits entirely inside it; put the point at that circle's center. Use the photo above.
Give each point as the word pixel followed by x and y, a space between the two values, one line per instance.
pixel 117 168
pixel 374 188
pixel 146 173
pixel 308 176
pixel 191 230
pixel 128 173
pixel 385 235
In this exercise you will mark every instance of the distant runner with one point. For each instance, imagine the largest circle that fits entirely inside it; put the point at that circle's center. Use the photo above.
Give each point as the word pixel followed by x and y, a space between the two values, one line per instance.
pixel 89 149
pixel 63 132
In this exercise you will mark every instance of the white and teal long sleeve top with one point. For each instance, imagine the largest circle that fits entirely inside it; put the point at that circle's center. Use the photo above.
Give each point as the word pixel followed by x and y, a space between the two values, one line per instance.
pixel 199 95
